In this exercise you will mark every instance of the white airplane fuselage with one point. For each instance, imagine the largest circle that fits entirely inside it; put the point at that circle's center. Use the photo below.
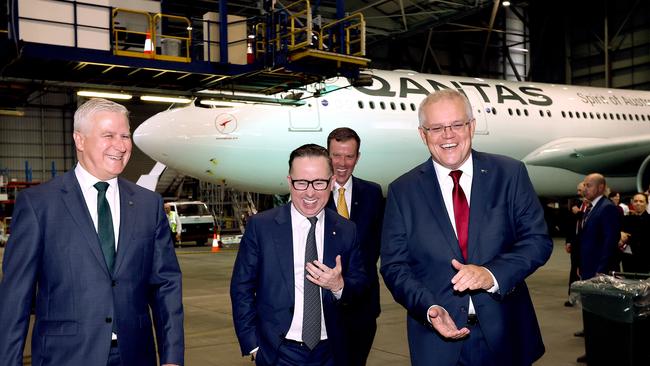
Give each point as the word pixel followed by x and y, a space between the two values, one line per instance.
pixel 247 146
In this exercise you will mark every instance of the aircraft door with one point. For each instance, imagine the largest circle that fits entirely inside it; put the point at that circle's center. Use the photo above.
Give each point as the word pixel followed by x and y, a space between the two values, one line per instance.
pixel 304 118
pixel 479 110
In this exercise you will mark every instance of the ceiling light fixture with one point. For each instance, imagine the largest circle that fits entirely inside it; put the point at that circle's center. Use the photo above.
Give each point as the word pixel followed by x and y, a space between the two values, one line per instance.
pixel 12 112
pixel 107 95
pixel 505 3
pixel 163 99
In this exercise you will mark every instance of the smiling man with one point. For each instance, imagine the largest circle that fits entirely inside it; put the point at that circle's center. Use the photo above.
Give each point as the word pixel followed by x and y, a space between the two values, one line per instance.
pixel 461 233
pixel 362 202
pixel 97 252
pixel 297 265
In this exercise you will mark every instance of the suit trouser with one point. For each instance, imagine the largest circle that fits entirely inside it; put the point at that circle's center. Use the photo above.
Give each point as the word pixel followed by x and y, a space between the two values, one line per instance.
pixel 360 333
pixel 475 350
pixel 292 353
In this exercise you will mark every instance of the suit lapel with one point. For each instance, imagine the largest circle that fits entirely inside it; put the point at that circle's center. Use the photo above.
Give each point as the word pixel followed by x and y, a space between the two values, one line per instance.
pixel 128 220
pixel 433 197
pixel 480 180
pixel 75 203
pixel 283 241
pixel 330 239
pixel 357 195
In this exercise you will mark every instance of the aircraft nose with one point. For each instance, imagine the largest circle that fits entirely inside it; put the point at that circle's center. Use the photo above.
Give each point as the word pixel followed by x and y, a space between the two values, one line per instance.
pixel 153 135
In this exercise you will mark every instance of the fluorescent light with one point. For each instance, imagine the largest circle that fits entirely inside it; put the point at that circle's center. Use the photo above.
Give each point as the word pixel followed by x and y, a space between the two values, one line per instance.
pixel 217 103
pixel 505 3
pixel 162 99
pixel 107 95
pixel 12 112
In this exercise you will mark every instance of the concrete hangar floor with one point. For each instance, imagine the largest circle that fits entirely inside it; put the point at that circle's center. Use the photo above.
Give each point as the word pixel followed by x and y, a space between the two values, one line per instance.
pixel 210 339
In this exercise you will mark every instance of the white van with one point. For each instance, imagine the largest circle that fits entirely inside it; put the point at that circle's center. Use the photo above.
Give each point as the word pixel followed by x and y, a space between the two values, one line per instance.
pixel 197 223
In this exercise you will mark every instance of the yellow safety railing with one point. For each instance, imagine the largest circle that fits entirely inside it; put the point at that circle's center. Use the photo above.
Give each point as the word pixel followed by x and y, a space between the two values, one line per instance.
pixel 175 47
pixel 299 26
pixel 127 40
pixel 135 35
pixel 355 25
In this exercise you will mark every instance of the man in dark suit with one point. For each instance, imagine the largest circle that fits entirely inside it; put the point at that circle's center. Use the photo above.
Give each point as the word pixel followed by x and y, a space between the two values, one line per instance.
pixel 578 205
pixel 96 251
pixel 461 233
pixel 362 202
pixel 600 230
pixel 297 265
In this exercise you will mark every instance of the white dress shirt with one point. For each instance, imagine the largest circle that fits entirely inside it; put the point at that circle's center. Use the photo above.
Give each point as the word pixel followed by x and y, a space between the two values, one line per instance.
pixel 300 229
pixel 446 183
pixel 87 182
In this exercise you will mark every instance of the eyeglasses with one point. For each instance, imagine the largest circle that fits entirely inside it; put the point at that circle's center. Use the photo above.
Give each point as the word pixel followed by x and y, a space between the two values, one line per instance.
pixel 303 184
pixel 440 129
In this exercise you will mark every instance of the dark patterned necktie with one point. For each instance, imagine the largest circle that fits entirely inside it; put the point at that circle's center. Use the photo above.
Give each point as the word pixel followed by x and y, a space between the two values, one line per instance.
pixel 585 215
pixel 461 211
pixel 311 310
pixel 105 225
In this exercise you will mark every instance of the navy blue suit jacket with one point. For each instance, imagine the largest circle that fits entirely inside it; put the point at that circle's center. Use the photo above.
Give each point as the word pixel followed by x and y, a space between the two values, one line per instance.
pixel 54 248
pixel 262 286
pixel 507 235
pixel 367 212
pixel 598 240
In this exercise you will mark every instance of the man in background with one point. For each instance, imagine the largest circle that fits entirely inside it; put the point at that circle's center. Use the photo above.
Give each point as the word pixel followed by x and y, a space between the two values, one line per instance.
pixel 175 225
pixel 362 202
pixel 97 252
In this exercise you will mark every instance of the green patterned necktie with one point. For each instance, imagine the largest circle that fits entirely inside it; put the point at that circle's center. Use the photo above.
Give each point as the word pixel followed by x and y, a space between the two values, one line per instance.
pixel 105 225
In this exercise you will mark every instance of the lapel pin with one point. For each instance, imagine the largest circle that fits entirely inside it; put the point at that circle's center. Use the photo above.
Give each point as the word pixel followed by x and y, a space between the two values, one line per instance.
pixel 130 203
pixel 483 171
pixel 333 232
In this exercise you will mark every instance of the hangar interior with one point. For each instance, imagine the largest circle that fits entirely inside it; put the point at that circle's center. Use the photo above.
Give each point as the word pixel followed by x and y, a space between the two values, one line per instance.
pixel 52 49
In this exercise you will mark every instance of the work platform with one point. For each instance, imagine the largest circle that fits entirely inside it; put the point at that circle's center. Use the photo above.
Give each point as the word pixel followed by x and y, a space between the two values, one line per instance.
pixel 73 45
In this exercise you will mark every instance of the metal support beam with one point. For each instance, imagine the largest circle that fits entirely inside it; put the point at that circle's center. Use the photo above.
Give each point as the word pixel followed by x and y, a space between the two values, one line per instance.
pixel 495 9
pixel 223 31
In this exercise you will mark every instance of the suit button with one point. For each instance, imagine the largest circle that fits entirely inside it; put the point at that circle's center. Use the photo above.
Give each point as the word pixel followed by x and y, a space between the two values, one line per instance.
pixel 109 320
pixel 113 283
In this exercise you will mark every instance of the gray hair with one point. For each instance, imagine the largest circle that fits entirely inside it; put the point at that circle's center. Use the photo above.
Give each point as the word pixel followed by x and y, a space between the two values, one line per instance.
pixel 85 112
pixel 440 95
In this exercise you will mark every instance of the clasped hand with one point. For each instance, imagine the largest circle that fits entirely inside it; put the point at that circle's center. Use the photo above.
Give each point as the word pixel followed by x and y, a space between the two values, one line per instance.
pixel 325 277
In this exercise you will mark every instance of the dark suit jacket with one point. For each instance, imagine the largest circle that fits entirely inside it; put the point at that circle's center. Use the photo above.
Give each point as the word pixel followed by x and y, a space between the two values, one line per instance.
pixel 367 212
pixel 637 226
pixel 507 235
pixel 55 250
pixel 598 240
pixel 262 286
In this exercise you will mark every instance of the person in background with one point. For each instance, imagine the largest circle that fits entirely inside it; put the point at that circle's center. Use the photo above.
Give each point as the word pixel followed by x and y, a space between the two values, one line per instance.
pixel 175 225
pixel 615 197
pixel 578 206
pixel 362 202
pixel 97 252
pixel 635 237
pixel 462 232
pixel 297 265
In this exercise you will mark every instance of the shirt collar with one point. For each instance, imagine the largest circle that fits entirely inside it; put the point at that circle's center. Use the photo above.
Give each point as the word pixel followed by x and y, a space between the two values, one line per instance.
pixel 467 167
pixel 87 180
pixel 347 185
pixel 298 218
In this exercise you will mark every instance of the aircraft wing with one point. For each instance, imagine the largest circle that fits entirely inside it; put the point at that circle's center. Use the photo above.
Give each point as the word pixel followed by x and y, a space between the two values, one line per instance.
pixel 619 156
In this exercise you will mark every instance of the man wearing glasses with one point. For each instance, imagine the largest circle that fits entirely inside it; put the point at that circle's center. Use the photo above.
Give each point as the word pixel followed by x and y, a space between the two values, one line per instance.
pixel 297 264
pixel 461 233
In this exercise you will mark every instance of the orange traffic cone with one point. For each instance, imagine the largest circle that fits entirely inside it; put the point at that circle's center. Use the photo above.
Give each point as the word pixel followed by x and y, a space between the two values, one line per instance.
pixel 215 243
pixel 148 46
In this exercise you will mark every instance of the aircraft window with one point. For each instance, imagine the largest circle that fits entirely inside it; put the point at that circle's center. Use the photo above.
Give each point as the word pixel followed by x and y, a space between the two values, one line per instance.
pixel 372 104
pixel 604 115
pixel 584 114
pixel 413 107
pixel 392 105
pixel 510 111
pixel 488 110
pixel 577 114
pixel 563 114
pixel 598 115
pixel 570 114
pixel 630 115
pixel 642 117
pixel 382 105
pixel 624 117
pixel 636 116
pixel 518 112
pixel 526 112
pixel 494 111
pixel 403 106
pixel 618 116
pixel 548 113
pixel 541 113
pixel 360 104
pixel 591 115
pixel 611 116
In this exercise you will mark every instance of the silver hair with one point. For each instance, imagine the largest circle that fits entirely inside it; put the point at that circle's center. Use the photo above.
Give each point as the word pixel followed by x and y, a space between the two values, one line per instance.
pixel 84 114
pixel 440 95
